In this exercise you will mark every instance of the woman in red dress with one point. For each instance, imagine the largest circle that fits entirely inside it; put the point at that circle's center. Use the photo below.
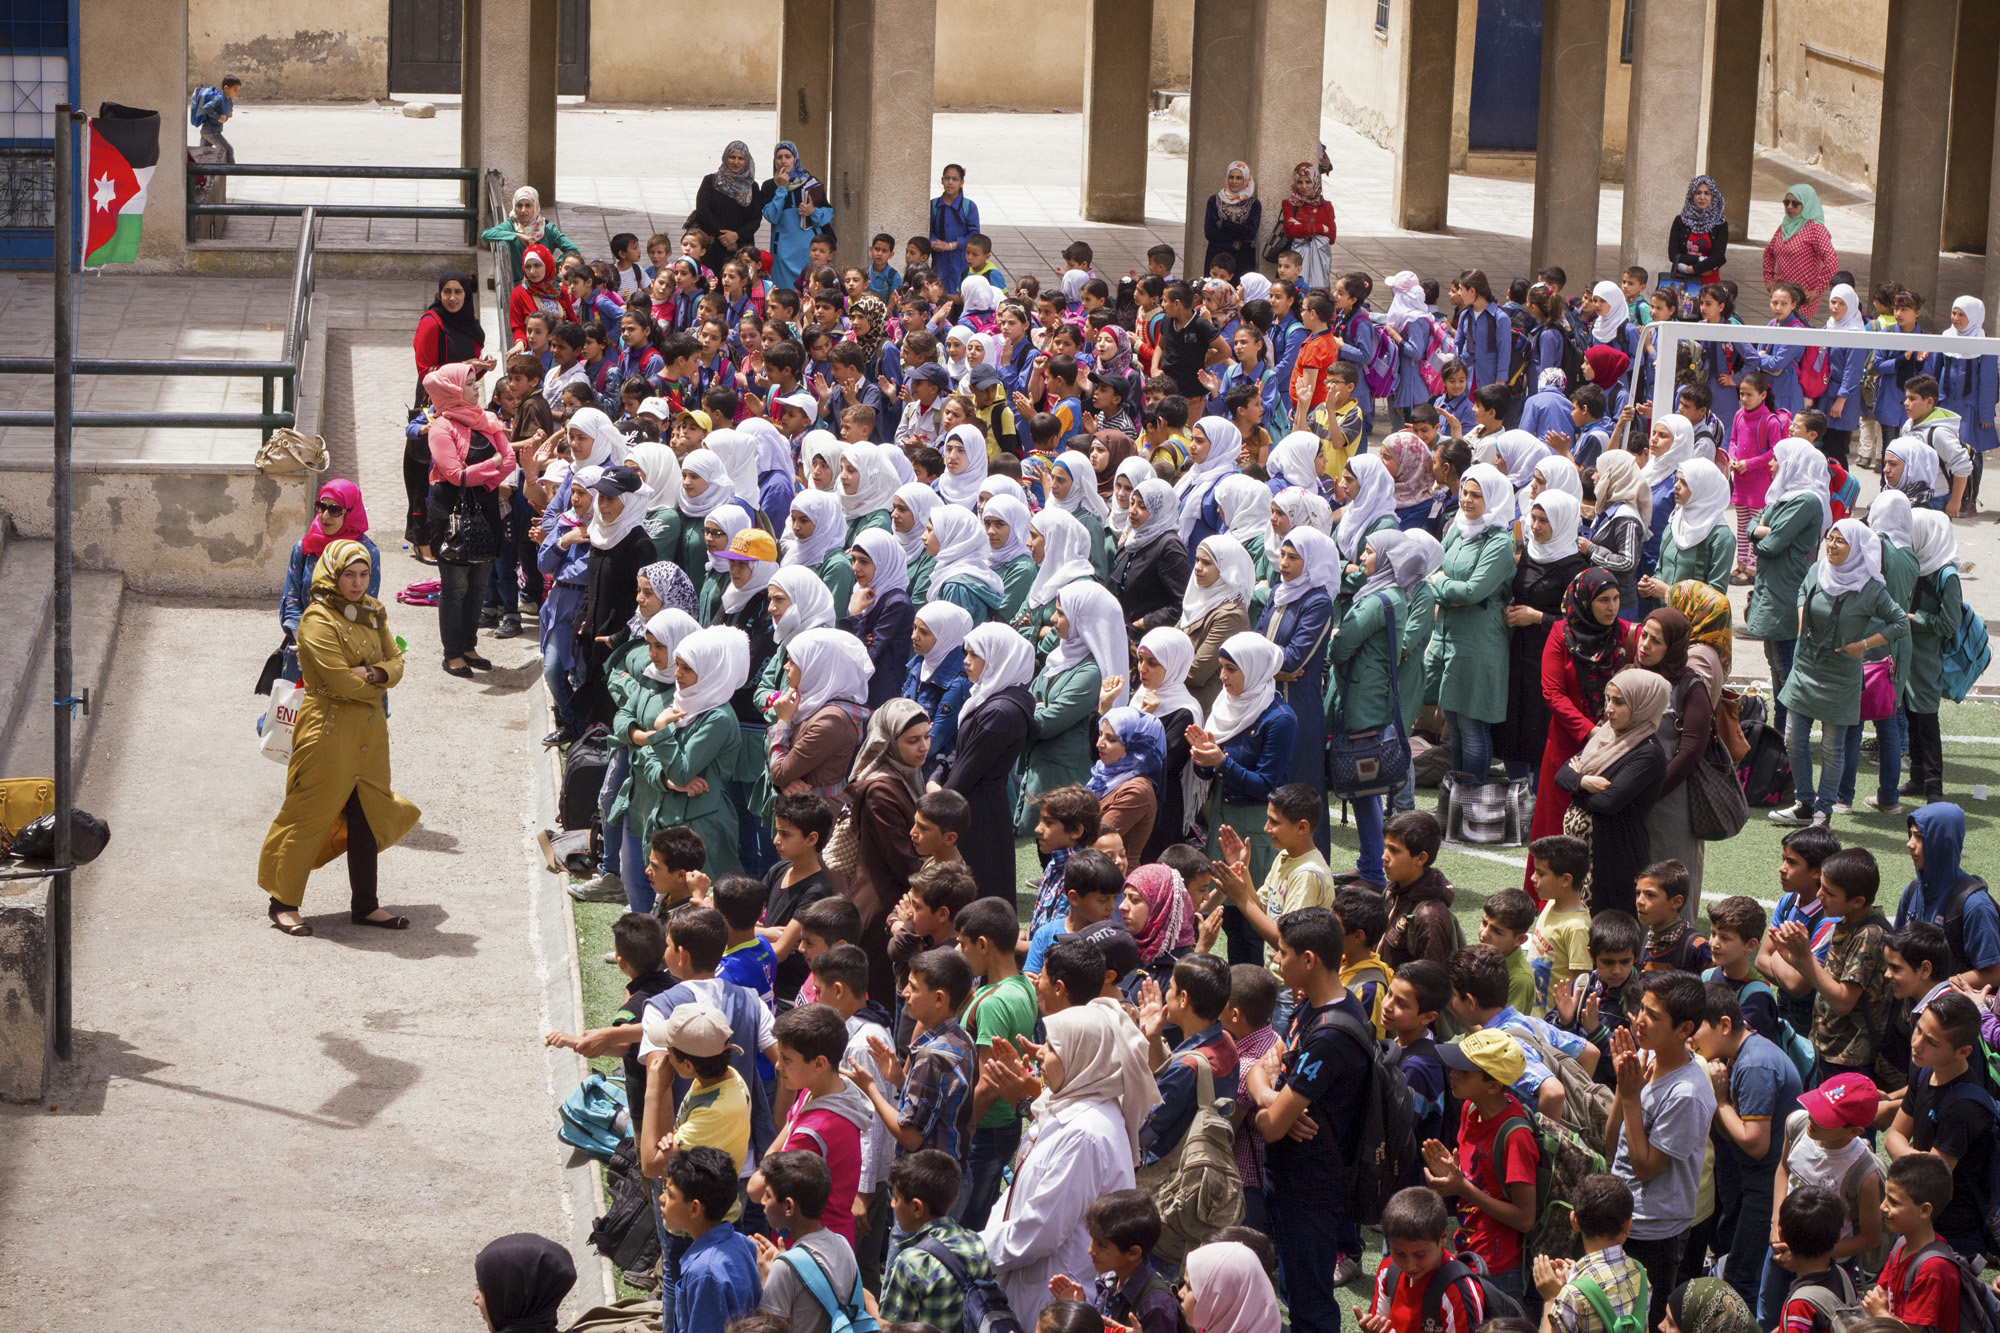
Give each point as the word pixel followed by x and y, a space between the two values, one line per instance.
pixel 1590 647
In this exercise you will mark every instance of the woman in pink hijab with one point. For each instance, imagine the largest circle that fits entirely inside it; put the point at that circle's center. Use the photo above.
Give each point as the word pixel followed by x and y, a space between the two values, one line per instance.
pixel 1225 1290
pixel 1157 910
pixel 337 515
pixel 470 457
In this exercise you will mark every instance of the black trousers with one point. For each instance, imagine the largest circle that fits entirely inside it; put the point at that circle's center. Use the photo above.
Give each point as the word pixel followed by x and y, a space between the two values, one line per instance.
pixel 361 855
pixel 1662 1261
pixel 1926 754
pixel 1834 443
pixel 417 488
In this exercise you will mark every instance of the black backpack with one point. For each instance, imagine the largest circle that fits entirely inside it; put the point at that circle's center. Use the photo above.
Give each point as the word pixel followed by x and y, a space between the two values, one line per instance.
pixel 1495 1303
pixel 1953 920
pixel 1387 1146
pixel 584 764
pixel 985 1309
pixel 625 1234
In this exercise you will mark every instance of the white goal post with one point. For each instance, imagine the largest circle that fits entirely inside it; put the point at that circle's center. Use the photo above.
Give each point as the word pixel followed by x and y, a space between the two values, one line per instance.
pixel 1672 333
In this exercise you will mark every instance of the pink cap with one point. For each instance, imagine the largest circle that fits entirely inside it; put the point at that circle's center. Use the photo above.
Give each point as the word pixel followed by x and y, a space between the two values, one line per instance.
pixel 1846 1099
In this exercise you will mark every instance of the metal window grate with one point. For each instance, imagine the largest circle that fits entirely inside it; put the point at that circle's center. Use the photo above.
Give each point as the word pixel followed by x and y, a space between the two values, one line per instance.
pixel 1381 15
pixel 27 186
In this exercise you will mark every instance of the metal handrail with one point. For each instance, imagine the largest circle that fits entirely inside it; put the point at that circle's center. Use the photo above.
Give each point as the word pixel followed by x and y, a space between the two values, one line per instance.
pixel 465 212
pixel 285 373
pixel 503 259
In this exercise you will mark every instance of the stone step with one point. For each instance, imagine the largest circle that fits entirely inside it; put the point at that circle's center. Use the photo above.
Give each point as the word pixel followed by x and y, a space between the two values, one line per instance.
pixel 29 749
pixel 27 602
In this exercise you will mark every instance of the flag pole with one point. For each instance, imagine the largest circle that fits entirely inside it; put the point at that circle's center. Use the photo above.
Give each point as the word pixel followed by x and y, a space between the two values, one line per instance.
pixel 65 385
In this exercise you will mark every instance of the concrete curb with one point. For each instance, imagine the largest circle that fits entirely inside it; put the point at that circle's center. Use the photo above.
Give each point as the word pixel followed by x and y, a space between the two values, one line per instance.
pixel 552 939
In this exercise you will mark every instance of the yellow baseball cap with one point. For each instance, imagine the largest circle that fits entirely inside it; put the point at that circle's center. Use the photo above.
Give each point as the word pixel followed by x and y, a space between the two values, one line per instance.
pixel 1490 1052
pixel 698 417
pixel 751 544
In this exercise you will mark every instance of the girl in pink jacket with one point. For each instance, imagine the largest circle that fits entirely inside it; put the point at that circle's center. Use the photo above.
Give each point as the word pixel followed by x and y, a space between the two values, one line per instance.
pixel 1752 438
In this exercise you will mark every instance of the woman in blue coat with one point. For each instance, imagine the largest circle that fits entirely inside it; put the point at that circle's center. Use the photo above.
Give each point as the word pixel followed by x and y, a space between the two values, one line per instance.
pixel 797 211
pixel 1299 619
pixel 1967 385
pixel 936 677
pixel 1777 360
pixel 1842 400
pixel 1245 752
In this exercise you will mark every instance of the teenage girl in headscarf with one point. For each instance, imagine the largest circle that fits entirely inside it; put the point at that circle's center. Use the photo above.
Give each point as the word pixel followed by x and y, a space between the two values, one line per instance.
pixel 1968 384
pixel 1409 326
pixel 936 676
pixel 1307 219
pixel 1093 648
pixel 1367 646
pixel 1164 656
pixel 1845 365
pixel 797 210
pixel 1128 775
pixel 1231 221
pixel 1548 563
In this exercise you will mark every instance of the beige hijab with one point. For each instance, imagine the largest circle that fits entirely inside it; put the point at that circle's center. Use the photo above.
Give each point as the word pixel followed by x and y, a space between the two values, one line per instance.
pixel 878 747
pixel 1104 1060
pixel 1647 692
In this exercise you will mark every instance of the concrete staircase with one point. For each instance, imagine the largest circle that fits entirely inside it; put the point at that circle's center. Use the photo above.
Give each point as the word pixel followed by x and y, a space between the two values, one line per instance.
pixel 27 649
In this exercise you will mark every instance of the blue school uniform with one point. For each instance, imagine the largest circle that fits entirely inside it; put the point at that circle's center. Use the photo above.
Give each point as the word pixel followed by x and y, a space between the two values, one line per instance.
pixel 884 284
pixel 1719 359
pixel 1781 364
pixel 1357 336
pixel 952 222
pixel 1418 337
pixel 1547 410
pixel 1459 407
pixel 644 361
pixel 1663 509
pixel 1968 388
pixel 1892 372
pixel 1286 340
pixel 1625 340
pixel 1843 381
pixel 1545 349
pixel 1208 521
pixel 1015 367
pixel 1485 345
pixel 1300 631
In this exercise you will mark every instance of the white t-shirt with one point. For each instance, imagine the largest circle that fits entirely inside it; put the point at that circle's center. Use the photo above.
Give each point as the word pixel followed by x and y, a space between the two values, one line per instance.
pixel 1810 1164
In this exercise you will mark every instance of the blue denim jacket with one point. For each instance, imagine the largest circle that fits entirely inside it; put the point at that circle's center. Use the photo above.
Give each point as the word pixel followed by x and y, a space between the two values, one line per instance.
pixel 1258 761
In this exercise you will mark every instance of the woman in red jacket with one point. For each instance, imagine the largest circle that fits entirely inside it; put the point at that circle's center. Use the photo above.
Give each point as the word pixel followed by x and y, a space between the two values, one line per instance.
pixel 541 289
pixel 1582 655
pixel 1307 218
pixel 449 330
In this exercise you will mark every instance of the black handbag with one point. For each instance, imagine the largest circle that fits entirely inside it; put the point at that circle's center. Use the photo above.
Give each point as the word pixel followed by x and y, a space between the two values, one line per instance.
pixel 1717 807
pixel 274 666
pixel 87 836
pixel 1368 763
pixel 468 538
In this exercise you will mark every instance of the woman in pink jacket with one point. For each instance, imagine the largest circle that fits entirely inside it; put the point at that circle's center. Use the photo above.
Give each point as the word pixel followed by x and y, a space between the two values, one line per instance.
pixel 470 457
pixel 1752 438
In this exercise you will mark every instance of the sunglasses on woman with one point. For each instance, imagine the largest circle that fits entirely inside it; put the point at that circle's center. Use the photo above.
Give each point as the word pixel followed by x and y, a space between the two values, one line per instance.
pixel 1793 203
pixel 326 508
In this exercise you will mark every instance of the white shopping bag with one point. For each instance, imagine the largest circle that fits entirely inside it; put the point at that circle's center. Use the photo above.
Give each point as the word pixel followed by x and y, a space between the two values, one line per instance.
pixel 279 716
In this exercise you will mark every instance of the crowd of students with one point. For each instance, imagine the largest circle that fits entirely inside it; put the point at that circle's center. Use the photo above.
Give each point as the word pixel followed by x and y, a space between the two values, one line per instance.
pixel 862 575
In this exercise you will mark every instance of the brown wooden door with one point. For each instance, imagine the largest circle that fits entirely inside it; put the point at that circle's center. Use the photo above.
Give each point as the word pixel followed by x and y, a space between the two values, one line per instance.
pixel 573 48
pixel 425 35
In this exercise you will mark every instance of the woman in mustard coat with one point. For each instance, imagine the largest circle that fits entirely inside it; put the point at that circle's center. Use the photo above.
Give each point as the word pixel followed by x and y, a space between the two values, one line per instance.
pixel 337 796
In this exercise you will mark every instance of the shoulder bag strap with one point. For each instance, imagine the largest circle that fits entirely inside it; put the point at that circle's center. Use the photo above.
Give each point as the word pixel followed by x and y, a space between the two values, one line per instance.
pixel 809 1272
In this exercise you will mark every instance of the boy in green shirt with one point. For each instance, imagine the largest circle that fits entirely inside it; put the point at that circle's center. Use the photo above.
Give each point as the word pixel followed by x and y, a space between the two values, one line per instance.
pixel 1509 916
pixel 1003 1006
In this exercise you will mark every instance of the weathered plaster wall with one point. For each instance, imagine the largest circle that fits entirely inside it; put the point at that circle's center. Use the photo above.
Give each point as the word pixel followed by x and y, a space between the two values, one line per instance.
pixel 291 50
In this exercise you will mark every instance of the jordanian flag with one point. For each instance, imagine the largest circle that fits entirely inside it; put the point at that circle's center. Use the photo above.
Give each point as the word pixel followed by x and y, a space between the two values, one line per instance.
pixel 124 149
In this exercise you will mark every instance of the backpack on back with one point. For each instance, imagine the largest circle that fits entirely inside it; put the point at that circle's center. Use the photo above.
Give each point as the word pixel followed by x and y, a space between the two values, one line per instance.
pixel 1197 1186
pixel 1813 364
pixel 201 103
pixel 1978 1308
pixel 1986 1185
pixel 1431 367
pixel 1387 1146
pixel 1600 1305
pixel 1953 919
pixel 1841 1304
pixel 1494 1303
pixel 986 1309
pixel 849 1316
pixel 1522 329
pixel 1382 366
pixel 1798 1049
pixel 1867 1264
pixel 1587 1103
pixel 1967 653
pixel 1565 1159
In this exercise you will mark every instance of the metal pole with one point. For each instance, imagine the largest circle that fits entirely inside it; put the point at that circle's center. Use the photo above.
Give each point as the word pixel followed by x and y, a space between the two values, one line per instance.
pixel 65 359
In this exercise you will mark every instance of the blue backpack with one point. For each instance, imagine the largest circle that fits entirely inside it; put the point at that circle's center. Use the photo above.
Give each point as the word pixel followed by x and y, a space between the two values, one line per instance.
pixel 204 101
pixel 1967 654
pixel 849 1316
pixel 594 1119
pixel 985 1309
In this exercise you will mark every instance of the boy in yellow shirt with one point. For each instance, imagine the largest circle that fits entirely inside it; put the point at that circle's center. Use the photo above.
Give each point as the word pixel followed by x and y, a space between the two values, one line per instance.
pixel 1558 945
pixel 1364 915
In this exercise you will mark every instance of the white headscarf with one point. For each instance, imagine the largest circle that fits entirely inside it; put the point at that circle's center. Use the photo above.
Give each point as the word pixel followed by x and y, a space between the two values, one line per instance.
pixel 821 444
pixel 731 520
pixel 829 534
pixel 1158 499
pixel 948 623
pixel 959 367
pixel 1864 560
pixel 1082 486
pixel 1245 503
pixel 774 453
pixel 1319 513
pixel 1225 445
pixel 1013 511
pixel 1135 471
pixel 1009 660
pixel 1802 470
pixel 1065 555
pixel 1935 544
pixel 607 442
pixel 1707 506
pixel 1662 467
pixel 1393 553
pixel 1889 514
pixel 989 352
pixel 1235 579
pixel 980 298
pixel 1258 659
pixel 668 626
pixel 1854 321
pixel 1174 651
pixel 761 572
pixel 1518 454
pixel 997 483
pixel 892 571
pixel 1294 461
pixel 1499 497
pixel 706 464
pixel 738 453
pixel 1616 314
pixel 1559 474
pixel 1376 499
pixel 1322 568
pixel 1975 324
pixel 962 488
pixel 1072 284
pixel 812 604
pixel 1920 462
pixel 962 549
pixel 1408 302
pixel 605 535
pixel 1564 515
pixel 877 480
pixel 1620 486
pixel 719 656
pixel 656 463
pixel 1428 558
pixel 1295 503
pixel 833 665
pixel 1255 286
pixel 920 500
pixel 1096 630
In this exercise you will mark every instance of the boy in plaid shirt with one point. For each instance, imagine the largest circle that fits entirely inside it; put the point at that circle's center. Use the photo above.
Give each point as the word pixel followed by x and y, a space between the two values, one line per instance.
pixel 919 1289
pixel 943 1065
pixel 1580 1292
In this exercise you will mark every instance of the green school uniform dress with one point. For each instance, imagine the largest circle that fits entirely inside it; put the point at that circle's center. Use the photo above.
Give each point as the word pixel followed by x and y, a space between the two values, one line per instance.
pixel 707 748
pixel 1471 640
pixel 1066 710
pixel 1358 663
pixel 1936 607
pixel 874 520
pixel 1708 561
pixel 837 573
pixel 1016 577
pixel 1825 683
pixel 1783 556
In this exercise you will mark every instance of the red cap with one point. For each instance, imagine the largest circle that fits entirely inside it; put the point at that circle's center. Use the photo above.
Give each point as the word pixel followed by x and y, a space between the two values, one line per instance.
pixel 1846 1099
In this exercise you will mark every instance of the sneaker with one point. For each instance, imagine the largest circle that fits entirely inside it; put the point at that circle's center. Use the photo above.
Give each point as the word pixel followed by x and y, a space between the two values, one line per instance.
pixel 1822 819
pixel 1910 787
pixel 489 617
pixel 1842 808
pixel 599 889
pixel 1346 1271
pixel 1790 816
pixel 563 735
pixel 510 627
pixel 640 1279
pixel 1885 807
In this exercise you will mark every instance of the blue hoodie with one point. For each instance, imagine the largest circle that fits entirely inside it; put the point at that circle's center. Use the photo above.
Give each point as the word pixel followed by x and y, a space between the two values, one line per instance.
pixel 1941 825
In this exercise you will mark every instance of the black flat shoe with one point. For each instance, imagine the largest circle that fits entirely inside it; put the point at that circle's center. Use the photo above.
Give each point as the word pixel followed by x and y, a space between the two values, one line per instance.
pixel 476 662
pixel 462 672
pixel 386 923
pixel 276 907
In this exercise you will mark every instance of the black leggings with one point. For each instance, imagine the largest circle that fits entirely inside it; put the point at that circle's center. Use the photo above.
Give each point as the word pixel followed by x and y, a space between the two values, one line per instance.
pixel 1926 755
pixel 361 852
pixel 417 488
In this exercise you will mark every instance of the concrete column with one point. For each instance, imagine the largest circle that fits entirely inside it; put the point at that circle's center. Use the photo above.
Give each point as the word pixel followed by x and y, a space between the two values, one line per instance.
pixel 1734 63
pixel 544 46
pixel 468 99
pixel 1990 288
pixel 1420 193
pixel 1569 161
pixel 505 109
pixel 135 53
pixel 1116 100
pixel 884 71
pixel 1289 52
pixel 1662 126
pixel 1975 78
pixel 805 80
pixel 1220 97
pixel 1909 189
